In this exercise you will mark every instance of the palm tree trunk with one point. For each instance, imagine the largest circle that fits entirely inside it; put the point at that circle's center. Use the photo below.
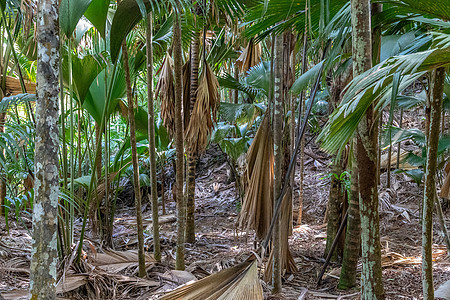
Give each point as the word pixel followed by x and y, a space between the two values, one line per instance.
pixel 2 179
pixel 151 139
pixel 181 206
pixel 134 159
pixel 366 156
pixel 44 254
pixel 334 208
pixel 436 90
pixel 278 159
pixel 353 235
pixel 191 157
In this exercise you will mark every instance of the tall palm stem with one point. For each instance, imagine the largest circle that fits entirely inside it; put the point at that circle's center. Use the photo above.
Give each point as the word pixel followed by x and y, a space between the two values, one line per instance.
pixel 367 157
pixel 181 206
pixel 151 139
pixel 137 188
pixel 192 157
pixel 436 93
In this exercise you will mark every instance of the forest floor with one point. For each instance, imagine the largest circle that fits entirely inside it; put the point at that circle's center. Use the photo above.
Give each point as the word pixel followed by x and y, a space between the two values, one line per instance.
pixel 219 244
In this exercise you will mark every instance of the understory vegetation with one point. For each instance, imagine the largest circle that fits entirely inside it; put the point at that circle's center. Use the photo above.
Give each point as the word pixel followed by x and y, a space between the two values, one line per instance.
pixel 227 149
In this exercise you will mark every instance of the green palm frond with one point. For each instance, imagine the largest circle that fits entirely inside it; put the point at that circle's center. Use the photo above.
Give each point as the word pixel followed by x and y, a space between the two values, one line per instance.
pixel 434 9
pixel 375 86
pixel 279 15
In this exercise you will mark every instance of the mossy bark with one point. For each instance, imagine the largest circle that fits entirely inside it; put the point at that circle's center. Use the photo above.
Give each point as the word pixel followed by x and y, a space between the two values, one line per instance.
pixel 334 209
pixel 347 279
pixel 436 94
pixel 44 253
pixel 367 157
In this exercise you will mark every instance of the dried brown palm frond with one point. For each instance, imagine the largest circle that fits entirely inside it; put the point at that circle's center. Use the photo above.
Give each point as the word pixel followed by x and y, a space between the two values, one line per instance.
pixel 204 113
pixel 165 89
pixel 102 276
pixel 240 282
pixel 117 261
pixel 251 56
pixel 186 93
pixel 287 260
pixel 13 86
pixel 257 207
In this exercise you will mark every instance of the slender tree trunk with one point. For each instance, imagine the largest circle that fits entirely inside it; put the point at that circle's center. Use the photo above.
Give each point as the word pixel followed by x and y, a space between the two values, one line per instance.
pixel 300 116
pixel 134 158
pixel 353 234
pixel 181 206
pixel 44 253
pixel 367 157
pixel 334 208
pixel 436 90
pixel 163 193
pixel 151 139
pixel 278 158
pixel 191 157
pixel 236 76
pixel 2 178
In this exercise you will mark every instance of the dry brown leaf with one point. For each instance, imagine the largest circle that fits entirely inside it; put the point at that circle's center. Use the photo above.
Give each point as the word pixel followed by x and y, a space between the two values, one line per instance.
pixel 240 282
pixel 287 260
pixel 165 88
pixel 71 282
pixel 257 206
pixel 116 261
pixel 204 113
pixel 384 161
pixel 251 56
pixel 13 86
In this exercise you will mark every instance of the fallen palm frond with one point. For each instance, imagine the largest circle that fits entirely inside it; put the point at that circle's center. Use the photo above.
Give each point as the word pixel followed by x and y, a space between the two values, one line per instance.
pixel 240 282
pixel 390 259
pixel 98 276
pixel 204 113
pixel 13 86
pixel 165 88
pixel 403 164
pixel 287 260
pixel 251 56
pixel 117 261
pixel 257 207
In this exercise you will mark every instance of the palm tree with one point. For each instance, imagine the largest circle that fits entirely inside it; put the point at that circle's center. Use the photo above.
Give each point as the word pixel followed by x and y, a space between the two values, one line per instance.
pixel 151 138
pixel 181 205
pixel 44 259
pixel 436 96
pixel 366 158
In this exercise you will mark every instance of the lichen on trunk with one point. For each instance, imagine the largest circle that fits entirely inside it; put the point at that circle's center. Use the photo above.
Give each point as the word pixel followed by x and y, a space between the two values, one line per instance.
pixel 44 253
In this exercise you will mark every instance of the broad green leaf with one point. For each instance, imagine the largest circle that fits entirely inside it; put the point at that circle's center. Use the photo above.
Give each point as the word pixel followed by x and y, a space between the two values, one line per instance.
pixel 127 15
pixel 415 174
pixel 392 45
pixel 234 112
pixel 70 12
pixel 97 13
pixel 97 96
pixel 84 71
pixel 258 77
pixel 302 82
